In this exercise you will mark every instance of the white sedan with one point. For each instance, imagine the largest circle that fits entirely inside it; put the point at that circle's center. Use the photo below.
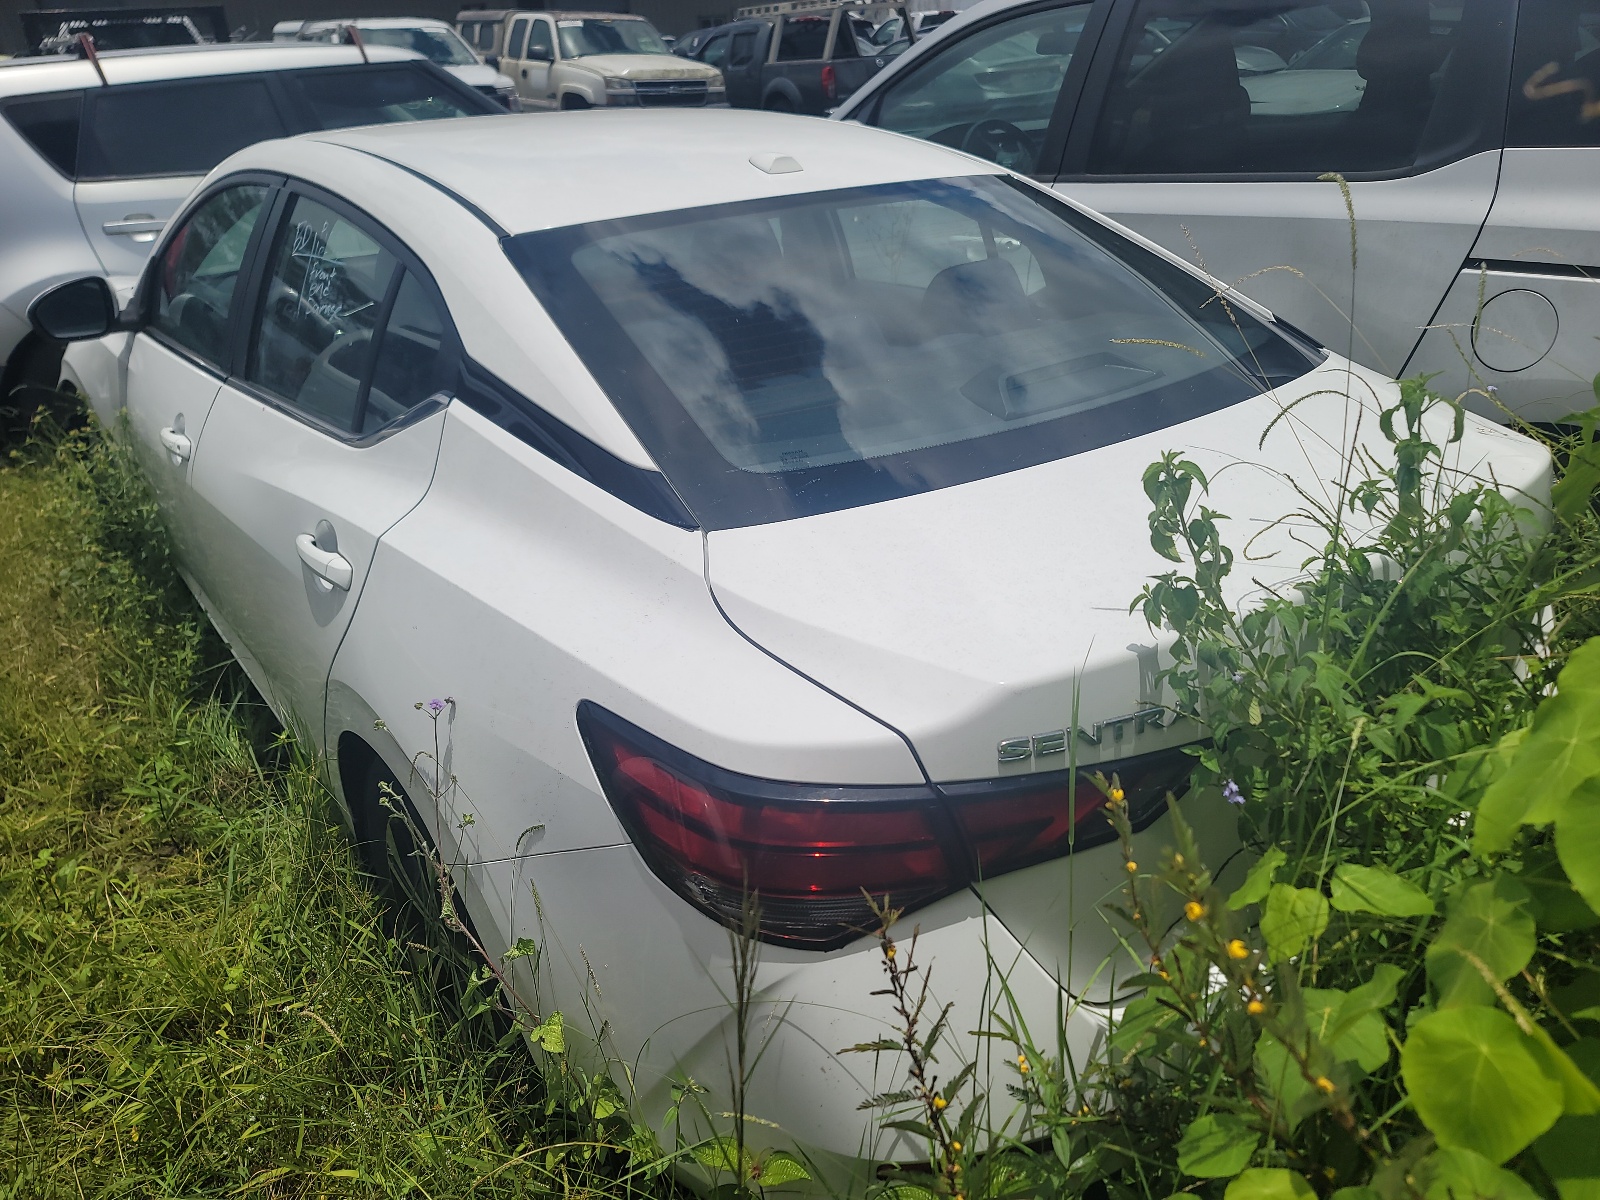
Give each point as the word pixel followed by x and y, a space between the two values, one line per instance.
pixel 769 524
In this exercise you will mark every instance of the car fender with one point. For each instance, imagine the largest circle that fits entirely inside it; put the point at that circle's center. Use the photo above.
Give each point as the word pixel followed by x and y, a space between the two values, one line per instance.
pixel 574 81
pixel 782 87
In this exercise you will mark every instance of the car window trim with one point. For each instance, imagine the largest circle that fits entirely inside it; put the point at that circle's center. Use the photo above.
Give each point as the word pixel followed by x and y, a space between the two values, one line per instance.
pixel 1493 97
pixel 144 294
pixel 93 96
pixel 405 260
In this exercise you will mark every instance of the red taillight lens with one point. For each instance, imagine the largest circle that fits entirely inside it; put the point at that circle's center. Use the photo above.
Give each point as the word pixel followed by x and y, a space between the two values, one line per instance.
pixel 809 851
pixel 830 82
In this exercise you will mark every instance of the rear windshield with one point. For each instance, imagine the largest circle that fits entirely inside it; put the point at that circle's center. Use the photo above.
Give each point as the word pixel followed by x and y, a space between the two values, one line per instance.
pixel 436 45
pixel 787 357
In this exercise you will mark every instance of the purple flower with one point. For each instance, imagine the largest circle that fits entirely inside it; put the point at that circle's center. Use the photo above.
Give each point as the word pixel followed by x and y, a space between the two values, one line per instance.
pixel 1238 676
pixel 436 706
pixel 1231 793
pixel 1492 390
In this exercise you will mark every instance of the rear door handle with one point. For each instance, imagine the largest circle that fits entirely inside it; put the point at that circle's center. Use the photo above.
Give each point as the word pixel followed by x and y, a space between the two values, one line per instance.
pixel 179 446
pixel 329 566
pixel 135 225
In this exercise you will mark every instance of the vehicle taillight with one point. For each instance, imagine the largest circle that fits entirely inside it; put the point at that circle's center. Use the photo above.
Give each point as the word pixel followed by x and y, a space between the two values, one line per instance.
pixel 807 852
pixel 830 84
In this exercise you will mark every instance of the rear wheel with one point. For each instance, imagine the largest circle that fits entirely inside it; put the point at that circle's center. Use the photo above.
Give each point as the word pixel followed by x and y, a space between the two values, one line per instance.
pixel 779 103
pixel 572 102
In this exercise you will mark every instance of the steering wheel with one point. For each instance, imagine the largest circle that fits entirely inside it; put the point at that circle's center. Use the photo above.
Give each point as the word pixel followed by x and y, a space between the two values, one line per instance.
pixel 1000 142
pixel 343 341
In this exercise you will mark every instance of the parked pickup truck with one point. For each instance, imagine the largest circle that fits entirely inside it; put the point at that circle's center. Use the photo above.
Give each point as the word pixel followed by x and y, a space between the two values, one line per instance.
pixel 803 57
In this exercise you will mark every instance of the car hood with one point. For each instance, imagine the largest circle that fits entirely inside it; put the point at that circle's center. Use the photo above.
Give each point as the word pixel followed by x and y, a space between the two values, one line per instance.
pixel 478 75
pixel 999 609
pixel 643 66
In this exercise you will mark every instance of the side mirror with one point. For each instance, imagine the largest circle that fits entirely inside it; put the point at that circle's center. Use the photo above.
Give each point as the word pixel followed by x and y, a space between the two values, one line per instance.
pixel 78 311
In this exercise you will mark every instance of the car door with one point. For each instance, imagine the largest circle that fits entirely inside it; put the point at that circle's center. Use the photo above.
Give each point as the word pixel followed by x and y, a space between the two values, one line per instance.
pixel 513 61
pixel 746 56
pixel 177 361
pixel 534 77
pixel 1217 130
pixel 324 438
pixel 1523 316
pixel 1003 90
pixel 144 147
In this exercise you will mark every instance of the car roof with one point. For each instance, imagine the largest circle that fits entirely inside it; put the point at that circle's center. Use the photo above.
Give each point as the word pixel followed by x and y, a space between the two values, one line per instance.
pixel 609 165
pixel 55 73
pixel 379 23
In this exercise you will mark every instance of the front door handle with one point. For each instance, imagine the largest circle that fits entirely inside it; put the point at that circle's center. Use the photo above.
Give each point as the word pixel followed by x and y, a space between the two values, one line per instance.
pixel 329 566
pixel 177 444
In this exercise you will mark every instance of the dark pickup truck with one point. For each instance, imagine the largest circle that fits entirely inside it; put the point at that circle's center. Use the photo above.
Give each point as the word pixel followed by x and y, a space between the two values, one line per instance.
pixel 803 61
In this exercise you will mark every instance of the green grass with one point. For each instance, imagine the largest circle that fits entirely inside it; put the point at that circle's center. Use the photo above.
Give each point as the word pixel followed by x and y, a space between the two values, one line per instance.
pixel 198 996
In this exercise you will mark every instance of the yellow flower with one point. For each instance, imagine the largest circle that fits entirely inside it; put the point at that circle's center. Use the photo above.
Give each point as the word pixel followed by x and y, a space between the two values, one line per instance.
pixel 1255 1008
pixel 1324 1084
pixel 955 1147
pixel 888 951
pixel 1132 866
pixel 133 1134
pixel 1116 795
pixel 1194 910
pixel 940 1103
pixel 1022 1063
pixel 1237 949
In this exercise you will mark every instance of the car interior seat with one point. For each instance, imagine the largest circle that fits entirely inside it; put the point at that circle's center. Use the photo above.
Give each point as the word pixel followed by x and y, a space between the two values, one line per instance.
pixel 1397 58
pixel 1187 110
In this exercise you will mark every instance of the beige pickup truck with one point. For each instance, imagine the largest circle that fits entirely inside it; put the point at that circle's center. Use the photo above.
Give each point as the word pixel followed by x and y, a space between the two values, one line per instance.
pixel 589 60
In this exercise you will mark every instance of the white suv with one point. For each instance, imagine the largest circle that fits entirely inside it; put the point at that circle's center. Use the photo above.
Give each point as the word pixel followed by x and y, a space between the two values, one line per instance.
pixel 94 159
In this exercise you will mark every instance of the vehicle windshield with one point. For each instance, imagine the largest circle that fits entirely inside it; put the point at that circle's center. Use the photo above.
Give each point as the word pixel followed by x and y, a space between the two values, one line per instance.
pixel 436 45
pixel 786 357
pixel 598 35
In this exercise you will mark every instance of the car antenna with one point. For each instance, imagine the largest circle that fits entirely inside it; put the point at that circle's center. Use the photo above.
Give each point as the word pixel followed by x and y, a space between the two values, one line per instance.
pixel 354 35
pixel 86 45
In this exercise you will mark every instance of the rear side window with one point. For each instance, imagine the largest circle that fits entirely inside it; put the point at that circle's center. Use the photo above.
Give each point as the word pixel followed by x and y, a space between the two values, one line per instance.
pixel 199 270
pixel 1555 84
pixel 174 128
pixel 1268 87
pixel 369 95
pixel 414 358
pixel 326 290
pixel 803 38
pixel 50 126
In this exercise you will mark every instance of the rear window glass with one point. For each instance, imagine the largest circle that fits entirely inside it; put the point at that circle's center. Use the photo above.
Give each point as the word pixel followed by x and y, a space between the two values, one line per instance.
pixel 1555 97
pixel 780 358
pixel 380 96
pixel 50 125
pixel 174 128
pixel 803 38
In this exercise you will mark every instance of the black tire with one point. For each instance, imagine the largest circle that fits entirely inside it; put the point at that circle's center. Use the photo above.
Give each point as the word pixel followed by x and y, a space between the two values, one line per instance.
pixel 779 103
pixel 30 383
pixel 387 829
pixel 573 103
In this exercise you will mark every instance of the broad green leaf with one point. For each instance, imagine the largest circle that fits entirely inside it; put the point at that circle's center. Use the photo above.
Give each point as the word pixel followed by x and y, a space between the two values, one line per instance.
pixel 1361 1038
pixel 1269 1183
pixel 1561 751
pixel 1578 839
pixel 1573 1068
pixel 781 1167
pixel 1475 1083
pixel 1294 1099
pixel 1141 1018
pixel 1556 905
pixel 1357 1193
pixel 1376 994
pixel 1254 888
pixel 1491 921
pixel 1570 494
pixel 1294 918
pixel 1453 1173
pixel 721 1154
pixel 902 1191
pixel 1570 1153
pixel 603 1107
pixel 1216 1146
pixel 551 1035
pixel 1358 889
pixel 524 948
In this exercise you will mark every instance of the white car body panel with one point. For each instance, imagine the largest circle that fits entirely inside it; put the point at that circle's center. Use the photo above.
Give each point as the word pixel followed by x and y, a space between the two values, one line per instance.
pixel 147 204
pixel 166 394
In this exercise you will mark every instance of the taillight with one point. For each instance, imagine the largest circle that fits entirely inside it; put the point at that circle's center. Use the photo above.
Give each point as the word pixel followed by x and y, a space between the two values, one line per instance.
pixel 830 84
pixel 807 852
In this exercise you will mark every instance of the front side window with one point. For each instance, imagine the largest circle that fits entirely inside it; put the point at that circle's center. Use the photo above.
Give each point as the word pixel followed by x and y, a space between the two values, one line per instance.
pixel 343 97
pixel 817 352
pixel 326 288
pixel 540 45
pixel 436 45
pixel 198 271
pixel 716 51
pixel 1271 87
pixel 600 35
pixel 516 44
pixel 991 93
pixel 181 128
pixel 1555 83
